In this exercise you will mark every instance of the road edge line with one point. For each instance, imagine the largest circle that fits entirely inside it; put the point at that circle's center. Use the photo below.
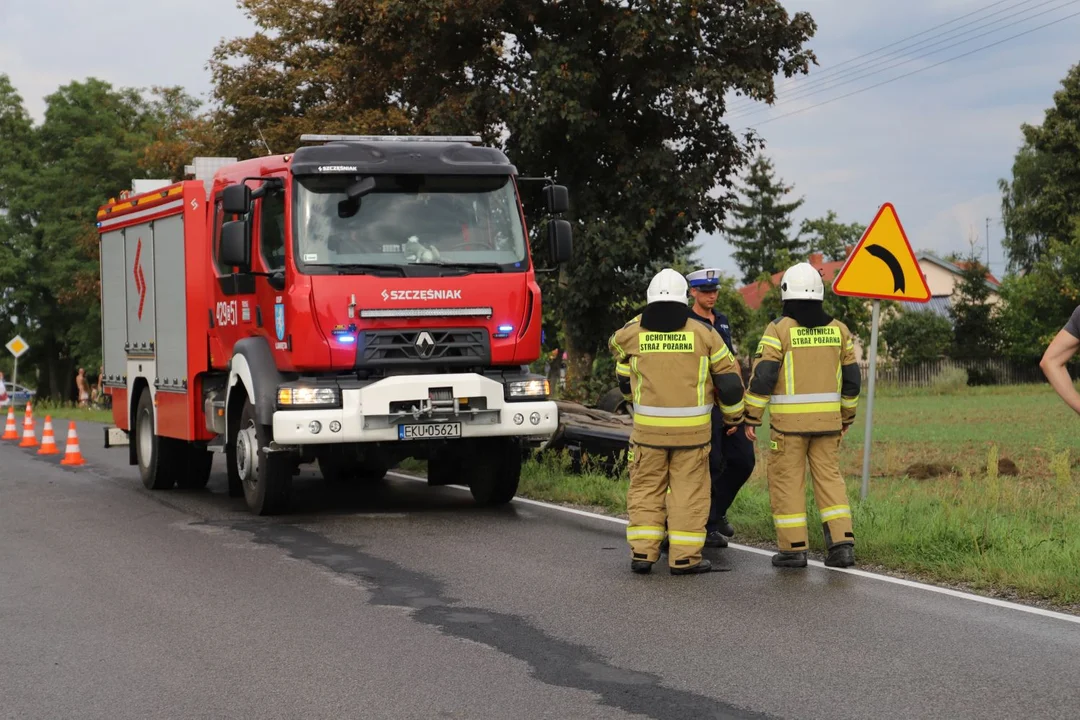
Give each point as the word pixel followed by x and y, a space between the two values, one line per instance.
pixel 1031 609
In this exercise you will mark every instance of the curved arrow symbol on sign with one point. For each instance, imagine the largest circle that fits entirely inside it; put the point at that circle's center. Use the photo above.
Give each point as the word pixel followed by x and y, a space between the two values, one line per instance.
pixel 894 265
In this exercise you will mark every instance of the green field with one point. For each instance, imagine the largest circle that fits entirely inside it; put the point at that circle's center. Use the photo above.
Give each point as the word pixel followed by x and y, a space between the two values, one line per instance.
pixel 939 507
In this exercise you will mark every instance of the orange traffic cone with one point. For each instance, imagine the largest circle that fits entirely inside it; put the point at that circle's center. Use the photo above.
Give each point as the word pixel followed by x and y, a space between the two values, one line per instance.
pixel 29 439
pixel 72 455
pixel 11 432
pixel 48 442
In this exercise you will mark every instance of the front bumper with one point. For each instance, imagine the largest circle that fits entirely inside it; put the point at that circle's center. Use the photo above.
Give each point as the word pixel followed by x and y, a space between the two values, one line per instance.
pixel 366 414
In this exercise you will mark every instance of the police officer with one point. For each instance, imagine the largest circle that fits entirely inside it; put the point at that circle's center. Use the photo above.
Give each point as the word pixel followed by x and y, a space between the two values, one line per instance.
pixel 731 460
pixel 668 366
pixel 805 370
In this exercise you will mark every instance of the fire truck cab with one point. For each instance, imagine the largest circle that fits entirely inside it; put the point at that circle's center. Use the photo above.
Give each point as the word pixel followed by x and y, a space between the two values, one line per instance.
pixel 359 301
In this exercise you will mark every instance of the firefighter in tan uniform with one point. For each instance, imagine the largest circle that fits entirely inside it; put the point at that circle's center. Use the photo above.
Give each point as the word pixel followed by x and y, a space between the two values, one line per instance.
pixel 805 371
pixel 673 369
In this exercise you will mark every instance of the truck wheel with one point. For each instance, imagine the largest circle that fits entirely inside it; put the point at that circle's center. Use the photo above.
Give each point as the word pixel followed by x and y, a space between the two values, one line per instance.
pixel 495 473
pixel 196 472
pixel 266 478
pixel 155 469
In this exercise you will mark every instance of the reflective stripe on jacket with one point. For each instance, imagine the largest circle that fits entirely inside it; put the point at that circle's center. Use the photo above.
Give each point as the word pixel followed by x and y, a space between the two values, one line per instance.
pixel 674 379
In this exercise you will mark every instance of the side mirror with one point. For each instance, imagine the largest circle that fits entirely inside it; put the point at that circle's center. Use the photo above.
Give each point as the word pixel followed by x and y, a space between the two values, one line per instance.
pixel 235 249
pixel 557 199
pixel 236 199
pixel 560 241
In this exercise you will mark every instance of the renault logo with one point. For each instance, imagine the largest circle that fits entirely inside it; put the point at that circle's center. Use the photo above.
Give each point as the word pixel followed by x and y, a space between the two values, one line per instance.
pixel 425 344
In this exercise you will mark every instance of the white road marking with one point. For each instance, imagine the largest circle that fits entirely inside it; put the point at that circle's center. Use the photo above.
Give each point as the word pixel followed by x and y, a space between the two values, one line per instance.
pixel 815 563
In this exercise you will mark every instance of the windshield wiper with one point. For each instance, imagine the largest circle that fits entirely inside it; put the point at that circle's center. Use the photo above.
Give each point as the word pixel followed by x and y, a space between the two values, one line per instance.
pixel 348 268
pixel 469 267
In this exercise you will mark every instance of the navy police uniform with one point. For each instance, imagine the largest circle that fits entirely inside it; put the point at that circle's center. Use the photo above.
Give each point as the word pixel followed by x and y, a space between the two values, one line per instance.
pixel 731 460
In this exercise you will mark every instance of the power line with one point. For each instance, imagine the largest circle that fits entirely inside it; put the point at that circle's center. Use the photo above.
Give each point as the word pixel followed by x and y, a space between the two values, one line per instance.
pixel 875 52
pixel 913 72
pixel 798 96
pixel 827 80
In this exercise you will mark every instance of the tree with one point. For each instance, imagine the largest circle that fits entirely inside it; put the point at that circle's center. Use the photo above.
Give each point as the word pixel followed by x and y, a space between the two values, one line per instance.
pixel 622 102
pixel 1042 199
pixel 831 238
pixel 916 336
pixel 88 149
pixel 1035 306
pixel 762 224
pixel 976 329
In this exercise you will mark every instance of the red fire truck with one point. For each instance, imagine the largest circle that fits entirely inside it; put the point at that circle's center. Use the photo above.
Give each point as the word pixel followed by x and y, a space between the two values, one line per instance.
pixel 359 301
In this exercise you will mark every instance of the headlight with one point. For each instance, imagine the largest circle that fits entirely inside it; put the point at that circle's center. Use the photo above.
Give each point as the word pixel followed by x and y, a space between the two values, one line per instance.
pixel 288 397
pixel 521 389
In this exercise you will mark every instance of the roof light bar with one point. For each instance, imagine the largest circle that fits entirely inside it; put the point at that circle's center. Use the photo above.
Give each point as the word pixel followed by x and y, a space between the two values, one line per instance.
pixel 474 139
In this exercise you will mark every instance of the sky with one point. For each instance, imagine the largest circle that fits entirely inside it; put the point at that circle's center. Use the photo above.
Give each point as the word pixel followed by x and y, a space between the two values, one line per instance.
pixel 934 144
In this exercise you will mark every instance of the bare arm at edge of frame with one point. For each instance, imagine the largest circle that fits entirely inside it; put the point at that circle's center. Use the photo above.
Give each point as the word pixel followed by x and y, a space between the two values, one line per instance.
pixel 1060 350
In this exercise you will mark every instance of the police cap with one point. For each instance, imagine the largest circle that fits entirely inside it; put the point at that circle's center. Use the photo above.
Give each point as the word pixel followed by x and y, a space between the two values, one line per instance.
pixel 707 279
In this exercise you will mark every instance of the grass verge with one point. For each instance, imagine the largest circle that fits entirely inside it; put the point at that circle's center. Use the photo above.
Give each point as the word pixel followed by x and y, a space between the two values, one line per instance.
pixel 973 490
pixel 67 411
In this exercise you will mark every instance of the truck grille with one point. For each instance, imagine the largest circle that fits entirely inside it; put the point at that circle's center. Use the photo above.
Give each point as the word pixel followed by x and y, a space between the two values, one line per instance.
pixel 444 347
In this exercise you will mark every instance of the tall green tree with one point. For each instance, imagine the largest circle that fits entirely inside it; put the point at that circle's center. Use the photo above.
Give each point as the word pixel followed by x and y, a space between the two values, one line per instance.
pixel 760 226
pixel 622 102
pixel 1036 305
pixel 89 147
pixel 976 328
pixel 1042 199
pixel 830 237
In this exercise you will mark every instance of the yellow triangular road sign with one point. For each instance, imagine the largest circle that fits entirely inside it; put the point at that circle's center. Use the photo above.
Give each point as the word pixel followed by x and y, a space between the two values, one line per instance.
pixel 883 266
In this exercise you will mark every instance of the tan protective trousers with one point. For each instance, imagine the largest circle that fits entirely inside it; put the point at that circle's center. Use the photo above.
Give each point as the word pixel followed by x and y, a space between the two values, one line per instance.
pixel 652 472
pixel 787 489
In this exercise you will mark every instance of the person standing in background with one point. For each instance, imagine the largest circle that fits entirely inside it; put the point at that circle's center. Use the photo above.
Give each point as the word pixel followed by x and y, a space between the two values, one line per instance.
pixel 1061 350
pixel 731 459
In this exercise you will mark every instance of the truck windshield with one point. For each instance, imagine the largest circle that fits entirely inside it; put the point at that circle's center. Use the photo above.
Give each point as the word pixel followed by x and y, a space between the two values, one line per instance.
pixel 458 220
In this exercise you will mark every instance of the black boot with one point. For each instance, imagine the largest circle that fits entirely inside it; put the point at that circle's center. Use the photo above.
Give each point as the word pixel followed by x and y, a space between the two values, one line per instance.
pixel 640 565
pixel 664 546
pixel 715 539
pixel 725 527
pixel 841 556
pixel 789 559
pixel 702 567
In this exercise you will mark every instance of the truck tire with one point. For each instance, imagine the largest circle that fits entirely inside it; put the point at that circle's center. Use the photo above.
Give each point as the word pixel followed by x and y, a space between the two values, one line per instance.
pixel 266 478
pixel 152 453
pixel 196 471
pixel 495 472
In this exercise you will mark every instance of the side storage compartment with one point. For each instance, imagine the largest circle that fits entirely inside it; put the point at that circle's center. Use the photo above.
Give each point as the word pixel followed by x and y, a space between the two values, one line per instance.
pixel 171 381
pixel 114 330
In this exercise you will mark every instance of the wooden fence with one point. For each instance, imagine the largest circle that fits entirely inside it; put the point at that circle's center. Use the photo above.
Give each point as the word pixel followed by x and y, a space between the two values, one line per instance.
pixel 979 372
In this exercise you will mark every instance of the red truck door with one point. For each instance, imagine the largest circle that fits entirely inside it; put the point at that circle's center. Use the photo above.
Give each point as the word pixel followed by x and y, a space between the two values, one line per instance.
pixel 233 298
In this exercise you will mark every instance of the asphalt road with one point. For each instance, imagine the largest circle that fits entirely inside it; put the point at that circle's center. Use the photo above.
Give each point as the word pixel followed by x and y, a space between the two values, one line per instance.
pixel 403 601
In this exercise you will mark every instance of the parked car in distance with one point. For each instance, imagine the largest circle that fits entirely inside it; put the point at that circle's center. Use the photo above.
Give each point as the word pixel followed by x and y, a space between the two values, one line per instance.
pixel 18 395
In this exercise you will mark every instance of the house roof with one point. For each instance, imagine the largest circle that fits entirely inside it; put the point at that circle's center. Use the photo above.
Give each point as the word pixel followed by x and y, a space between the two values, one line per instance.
pixel 938 305
pixel 958 268
pixel 754 293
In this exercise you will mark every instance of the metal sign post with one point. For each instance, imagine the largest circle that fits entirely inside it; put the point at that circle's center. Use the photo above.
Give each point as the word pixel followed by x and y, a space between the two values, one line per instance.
pixel 871 375
pixel 881 267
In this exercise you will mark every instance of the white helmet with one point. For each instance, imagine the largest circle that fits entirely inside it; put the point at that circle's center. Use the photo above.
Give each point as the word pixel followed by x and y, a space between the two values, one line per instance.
pixel 667 286
pixel 802 282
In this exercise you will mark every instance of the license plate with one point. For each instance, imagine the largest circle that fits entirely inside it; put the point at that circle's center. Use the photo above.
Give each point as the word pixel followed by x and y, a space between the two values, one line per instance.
pixel 429 431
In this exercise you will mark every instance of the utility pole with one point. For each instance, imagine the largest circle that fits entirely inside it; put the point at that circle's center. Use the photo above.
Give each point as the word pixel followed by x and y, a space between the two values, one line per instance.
pixel 987 244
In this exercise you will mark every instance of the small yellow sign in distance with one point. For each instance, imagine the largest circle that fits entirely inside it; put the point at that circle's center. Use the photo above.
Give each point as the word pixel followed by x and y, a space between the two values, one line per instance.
pixel 17 346
pixel 883 266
